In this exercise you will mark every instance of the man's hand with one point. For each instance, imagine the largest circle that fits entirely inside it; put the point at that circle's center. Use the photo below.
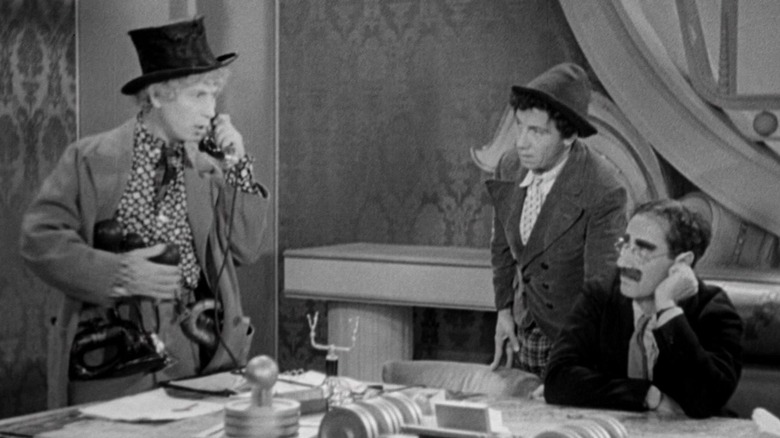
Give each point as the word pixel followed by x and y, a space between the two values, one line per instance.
pixel 229 139
pixel 669 407
pixel 506 339
pixel 657 401
pixel 140 277
pixel 681 283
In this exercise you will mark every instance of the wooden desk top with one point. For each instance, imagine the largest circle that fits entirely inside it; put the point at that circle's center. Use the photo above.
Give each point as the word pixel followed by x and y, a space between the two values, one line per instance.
pixel 525 418
pixel 394 253
pixel 68 423
pixel 449 277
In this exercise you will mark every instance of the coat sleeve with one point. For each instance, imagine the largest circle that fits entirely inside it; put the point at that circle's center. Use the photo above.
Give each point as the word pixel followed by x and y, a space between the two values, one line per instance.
pixel 241 219
pixel 56 232
pixel 700 368
pixel 502 260
pixel 606 224
pixel 573 374
pixel 504 266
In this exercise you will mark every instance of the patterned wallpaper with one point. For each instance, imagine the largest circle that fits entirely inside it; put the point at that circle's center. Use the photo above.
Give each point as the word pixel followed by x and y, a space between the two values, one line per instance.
pixel 37 121
pixel 380 101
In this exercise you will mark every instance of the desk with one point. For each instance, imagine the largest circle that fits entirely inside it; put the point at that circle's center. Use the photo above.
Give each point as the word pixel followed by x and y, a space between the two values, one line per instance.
pixel 523 417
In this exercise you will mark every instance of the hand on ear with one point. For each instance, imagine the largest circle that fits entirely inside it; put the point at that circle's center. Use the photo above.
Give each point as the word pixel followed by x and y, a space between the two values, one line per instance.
pixel 681 283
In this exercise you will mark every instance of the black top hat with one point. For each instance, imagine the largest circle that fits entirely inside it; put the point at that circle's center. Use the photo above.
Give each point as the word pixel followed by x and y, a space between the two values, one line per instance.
pixel 172 51
pixel 566 89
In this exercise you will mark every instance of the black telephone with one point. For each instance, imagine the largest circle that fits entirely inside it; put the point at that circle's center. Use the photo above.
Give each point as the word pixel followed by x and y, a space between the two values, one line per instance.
pixel 112 344
pixel 208 144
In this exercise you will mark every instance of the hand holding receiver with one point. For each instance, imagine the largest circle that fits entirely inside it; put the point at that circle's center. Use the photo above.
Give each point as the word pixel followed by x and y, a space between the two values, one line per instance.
pixel 224 142
pixel 209 145
pixel 681 283
pixel 140 275
pixel 506 342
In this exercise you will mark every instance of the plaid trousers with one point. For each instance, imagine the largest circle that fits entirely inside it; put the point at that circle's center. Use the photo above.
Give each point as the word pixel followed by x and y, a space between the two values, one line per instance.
pixel 534 351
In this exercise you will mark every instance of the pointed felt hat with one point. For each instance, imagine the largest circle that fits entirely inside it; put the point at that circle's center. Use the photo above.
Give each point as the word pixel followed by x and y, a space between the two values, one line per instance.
pixel 172 51
pixel 566 88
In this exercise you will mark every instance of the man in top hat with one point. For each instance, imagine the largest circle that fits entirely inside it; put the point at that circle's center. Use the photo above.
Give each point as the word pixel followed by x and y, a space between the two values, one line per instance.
pixel 558 210
pixel 658 338
pixel 160 300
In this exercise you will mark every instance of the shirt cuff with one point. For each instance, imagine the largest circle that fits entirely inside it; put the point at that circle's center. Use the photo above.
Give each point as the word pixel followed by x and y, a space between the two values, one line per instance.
pixel 664 315
pixel 242 177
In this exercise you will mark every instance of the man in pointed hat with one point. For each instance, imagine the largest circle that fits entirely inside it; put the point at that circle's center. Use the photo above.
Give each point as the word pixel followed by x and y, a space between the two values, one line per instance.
pixel 141 228
pixel 558 210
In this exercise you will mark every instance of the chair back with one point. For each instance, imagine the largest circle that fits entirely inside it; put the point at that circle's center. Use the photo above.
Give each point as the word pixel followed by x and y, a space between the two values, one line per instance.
pixel 461 377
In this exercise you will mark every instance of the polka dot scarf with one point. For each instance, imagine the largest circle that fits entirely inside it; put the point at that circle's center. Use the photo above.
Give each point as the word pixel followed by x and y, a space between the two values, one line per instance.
pixel 154 204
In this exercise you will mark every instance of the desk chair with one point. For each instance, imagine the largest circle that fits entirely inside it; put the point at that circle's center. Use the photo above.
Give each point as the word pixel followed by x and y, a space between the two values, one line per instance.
pixel 461 377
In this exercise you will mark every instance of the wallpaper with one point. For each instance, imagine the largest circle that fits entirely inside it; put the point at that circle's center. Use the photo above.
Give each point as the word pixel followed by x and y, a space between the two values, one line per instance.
pixel 37 121
pixel 380 102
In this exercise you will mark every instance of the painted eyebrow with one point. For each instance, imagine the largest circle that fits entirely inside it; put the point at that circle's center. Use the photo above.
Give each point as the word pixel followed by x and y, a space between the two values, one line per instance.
pixel 644 244
pixel 641 243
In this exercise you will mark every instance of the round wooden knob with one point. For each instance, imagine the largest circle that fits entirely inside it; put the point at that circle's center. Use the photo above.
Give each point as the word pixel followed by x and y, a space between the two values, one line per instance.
pixel 261 372
pixel 262 416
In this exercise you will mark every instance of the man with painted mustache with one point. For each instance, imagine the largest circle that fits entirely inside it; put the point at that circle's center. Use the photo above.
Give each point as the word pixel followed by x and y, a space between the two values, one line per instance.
pixel 660 339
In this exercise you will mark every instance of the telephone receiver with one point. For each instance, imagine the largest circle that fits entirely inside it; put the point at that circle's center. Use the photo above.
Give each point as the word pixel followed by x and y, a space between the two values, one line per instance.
pixel 208 144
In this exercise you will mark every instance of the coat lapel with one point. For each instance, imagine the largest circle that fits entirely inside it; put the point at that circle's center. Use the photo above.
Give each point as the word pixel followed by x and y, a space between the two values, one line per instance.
pixel 110 167
pixel 508 199
pixel 197 178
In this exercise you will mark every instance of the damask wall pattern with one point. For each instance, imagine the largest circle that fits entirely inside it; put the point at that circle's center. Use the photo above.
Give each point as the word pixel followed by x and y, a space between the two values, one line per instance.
pixel 37 121
pixel 380 102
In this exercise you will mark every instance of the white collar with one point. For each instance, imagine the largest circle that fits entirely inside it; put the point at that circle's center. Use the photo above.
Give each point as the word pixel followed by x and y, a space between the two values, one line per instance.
pixel 638 312
pixel 547 177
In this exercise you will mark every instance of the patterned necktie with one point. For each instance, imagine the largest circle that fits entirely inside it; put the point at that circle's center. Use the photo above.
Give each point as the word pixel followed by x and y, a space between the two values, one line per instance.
pixel 165 171
pixel 531 207
pixel 637 352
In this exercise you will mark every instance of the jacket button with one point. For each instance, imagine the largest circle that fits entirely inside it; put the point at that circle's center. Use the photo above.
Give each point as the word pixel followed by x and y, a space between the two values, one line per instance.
pixel 545 285
pixel 549 305
pixel 545 265
pixel 526 279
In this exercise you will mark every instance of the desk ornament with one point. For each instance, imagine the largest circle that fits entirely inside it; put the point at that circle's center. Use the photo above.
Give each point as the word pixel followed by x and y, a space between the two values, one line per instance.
pixel 374 417
pixel 591 426
pixel 262 415
pixel 337 391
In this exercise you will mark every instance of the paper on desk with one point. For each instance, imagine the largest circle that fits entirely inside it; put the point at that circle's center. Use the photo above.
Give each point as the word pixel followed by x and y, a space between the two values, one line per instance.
pixel 313 379
pixel 309 379
pixel 230 383
pixel 154 405
pixel 225 382
pixel 286 383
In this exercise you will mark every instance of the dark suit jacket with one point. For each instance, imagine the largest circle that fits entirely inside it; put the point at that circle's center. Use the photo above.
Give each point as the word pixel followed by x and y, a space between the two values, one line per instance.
pixel 699 362
pixel 572 241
